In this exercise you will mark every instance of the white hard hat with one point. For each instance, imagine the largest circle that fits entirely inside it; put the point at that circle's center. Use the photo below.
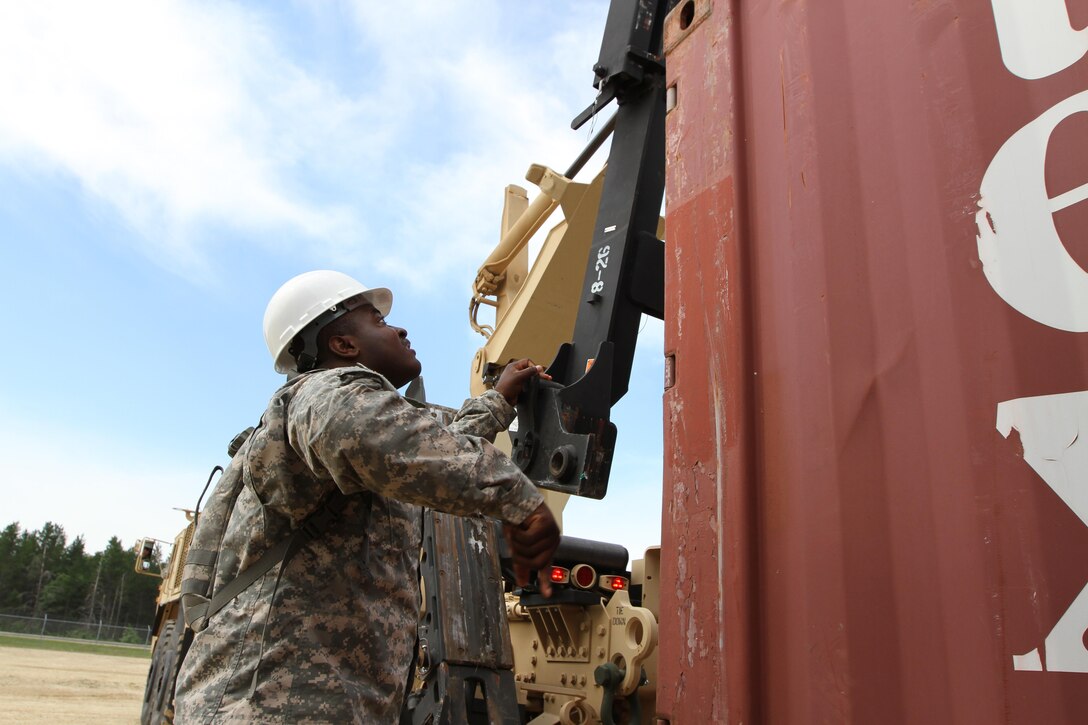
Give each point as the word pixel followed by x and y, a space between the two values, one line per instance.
pixel 309 302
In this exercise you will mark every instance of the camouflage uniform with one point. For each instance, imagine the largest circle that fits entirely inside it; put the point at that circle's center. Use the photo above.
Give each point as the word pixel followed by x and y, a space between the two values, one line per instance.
pixel 338 633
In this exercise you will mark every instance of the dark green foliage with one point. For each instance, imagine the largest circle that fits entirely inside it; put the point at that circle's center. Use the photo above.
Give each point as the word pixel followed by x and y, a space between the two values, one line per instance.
pixel 42 573
pixel 131 636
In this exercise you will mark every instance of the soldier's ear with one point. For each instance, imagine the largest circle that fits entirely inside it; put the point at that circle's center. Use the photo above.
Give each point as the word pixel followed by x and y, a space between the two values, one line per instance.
pixel 344 346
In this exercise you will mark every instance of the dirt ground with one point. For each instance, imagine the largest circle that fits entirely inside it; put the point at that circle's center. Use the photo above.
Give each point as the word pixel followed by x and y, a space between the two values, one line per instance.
pixel 39 686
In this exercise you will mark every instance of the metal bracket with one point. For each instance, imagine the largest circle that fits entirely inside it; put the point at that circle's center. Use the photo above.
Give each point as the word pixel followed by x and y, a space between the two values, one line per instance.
pixel 564 441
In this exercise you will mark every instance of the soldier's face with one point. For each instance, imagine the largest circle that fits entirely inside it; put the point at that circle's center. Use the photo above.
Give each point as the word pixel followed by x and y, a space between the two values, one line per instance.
pixel 383 347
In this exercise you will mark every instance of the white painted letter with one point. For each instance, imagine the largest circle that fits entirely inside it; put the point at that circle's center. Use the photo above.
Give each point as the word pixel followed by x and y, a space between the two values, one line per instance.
pixel 1050 428
pixel 1037 38
pixel 1022 255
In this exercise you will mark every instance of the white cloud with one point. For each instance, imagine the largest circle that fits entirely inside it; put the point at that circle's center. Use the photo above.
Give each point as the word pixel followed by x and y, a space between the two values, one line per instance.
pixel 176 114
pixel 187 117
pixel 509 106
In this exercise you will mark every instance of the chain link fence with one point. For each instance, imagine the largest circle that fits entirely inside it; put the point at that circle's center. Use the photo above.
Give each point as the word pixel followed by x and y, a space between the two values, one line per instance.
pixel 46 626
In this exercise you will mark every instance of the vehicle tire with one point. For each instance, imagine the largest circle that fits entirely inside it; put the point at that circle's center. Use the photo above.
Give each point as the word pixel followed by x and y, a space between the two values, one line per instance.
pixel 165 660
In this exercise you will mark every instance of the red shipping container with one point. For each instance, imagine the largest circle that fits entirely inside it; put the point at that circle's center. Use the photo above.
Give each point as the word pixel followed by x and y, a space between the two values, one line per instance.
pixel 876 488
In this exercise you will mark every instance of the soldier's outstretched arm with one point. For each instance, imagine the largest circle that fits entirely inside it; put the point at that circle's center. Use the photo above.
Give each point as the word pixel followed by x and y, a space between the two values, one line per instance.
pixel 366 437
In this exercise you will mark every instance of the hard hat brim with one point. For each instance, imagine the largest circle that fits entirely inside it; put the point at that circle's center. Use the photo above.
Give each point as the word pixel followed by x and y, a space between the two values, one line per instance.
pixel 381 298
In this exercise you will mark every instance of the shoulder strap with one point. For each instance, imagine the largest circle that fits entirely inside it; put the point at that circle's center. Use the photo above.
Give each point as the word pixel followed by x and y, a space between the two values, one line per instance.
pixel 198 573
pixel 312 527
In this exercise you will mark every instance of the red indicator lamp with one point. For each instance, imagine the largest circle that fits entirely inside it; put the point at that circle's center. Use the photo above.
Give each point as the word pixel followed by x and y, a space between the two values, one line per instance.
pixel 559 575
pixel 615 583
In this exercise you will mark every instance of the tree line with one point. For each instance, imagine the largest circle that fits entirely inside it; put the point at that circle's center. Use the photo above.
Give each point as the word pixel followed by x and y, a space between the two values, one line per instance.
pixel 41 572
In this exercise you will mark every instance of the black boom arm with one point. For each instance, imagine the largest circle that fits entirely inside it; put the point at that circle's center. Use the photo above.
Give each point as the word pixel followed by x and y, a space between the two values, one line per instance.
pixel 565 439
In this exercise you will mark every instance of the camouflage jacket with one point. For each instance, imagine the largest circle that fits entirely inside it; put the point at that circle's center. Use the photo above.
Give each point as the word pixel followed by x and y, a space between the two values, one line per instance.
pixel 332 639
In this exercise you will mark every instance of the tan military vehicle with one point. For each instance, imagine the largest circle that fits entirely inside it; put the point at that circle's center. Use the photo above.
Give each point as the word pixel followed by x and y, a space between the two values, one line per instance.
pixel 169 635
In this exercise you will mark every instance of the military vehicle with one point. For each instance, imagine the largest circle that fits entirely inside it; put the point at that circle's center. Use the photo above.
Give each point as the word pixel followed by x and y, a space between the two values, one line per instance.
pixel 170 638
pixel 169 635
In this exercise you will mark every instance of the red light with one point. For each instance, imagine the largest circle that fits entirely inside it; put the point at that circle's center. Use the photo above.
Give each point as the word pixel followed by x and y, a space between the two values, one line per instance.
pixel 583 576
pixel 618 582
pixel 559 575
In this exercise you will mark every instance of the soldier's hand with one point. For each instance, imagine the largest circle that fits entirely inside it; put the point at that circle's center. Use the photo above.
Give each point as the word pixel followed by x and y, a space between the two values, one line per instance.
pixel 533 543
pixel 515 376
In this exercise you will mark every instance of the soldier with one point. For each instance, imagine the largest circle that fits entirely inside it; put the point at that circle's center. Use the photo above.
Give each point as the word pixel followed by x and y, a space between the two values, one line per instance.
pixel 328 635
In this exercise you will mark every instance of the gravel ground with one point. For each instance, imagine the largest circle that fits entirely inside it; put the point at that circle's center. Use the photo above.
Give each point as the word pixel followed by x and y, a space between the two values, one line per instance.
pixel 39 686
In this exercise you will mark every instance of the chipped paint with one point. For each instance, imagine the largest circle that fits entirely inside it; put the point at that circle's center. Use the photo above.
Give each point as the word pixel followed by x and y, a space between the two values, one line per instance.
pixel 702 297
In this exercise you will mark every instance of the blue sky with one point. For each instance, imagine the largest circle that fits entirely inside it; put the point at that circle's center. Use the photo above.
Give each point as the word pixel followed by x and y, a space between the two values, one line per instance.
pixel 164 167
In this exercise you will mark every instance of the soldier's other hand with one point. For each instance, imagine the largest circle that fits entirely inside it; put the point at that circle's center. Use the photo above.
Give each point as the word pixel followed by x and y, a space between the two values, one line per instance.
pixel 515 376
pixel 532 544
